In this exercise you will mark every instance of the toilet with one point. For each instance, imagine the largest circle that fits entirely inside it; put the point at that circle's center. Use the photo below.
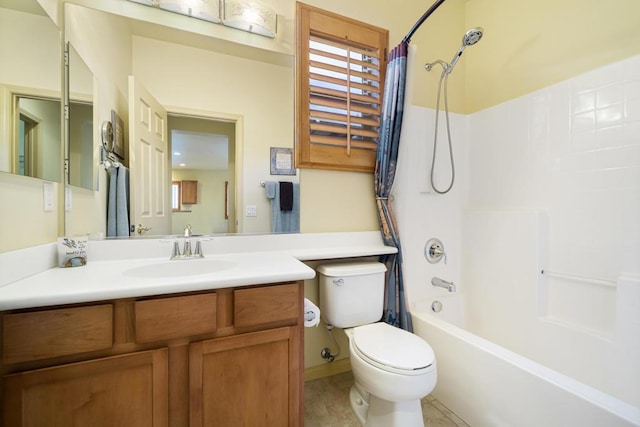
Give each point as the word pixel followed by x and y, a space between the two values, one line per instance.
pixel 393 369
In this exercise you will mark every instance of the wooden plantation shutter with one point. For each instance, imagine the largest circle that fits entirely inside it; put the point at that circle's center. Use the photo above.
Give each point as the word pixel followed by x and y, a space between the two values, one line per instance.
pixel 340 70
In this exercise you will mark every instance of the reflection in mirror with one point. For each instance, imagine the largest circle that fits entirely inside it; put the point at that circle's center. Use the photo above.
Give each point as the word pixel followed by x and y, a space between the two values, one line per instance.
pixel 80 143
pixel 203 152
pixel 37 137
pixel 30 111
pixel 189 73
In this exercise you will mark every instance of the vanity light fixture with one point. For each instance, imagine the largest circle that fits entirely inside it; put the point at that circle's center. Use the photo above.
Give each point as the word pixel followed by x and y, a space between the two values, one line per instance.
pixel 246 15
pixel 250 15
pixel 207 10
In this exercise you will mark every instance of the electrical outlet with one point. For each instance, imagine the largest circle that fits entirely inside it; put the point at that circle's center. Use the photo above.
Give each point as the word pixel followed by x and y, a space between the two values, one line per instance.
pixel 251 211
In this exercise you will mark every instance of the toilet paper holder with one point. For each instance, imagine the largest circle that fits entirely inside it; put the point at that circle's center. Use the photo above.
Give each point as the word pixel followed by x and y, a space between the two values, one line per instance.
pixel 311 314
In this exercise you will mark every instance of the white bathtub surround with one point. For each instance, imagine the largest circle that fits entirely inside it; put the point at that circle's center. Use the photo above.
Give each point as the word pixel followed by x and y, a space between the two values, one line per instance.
pixel 553 184
pixel 422 214
pixel 556 187
pixel 487 385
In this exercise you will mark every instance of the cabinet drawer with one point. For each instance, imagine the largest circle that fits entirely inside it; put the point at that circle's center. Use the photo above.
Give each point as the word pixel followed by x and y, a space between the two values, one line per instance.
pixel 175 317
pixel 51 333
pixel 255 306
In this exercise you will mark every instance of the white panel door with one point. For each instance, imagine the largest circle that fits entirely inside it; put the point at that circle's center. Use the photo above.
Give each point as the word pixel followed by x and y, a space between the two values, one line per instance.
pixel 149 161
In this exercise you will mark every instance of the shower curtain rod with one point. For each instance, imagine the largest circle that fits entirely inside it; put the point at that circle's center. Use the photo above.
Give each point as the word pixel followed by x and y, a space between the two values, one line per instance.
pixel 424 17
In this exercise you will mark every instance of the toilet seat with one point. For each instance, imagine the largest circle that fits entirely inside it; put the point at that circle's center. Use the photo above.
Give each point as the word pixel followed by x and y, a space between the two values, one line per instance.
pixel 392 349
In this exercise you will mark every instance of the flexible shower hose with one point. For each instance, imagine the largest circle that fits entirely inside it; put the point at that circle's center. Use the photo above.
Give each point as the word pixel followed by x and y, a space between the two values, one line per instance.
pixel 444 77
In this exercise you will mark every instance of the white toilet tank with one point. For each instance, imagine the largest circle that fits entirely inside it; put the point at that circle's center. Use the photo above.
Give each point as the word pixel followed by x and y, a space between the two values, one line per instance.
pixel 351 294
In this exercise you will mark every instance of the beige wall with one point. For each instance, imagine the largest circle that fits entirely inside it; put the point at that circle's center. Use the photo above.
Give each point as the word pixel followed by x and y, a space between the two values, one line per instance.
pixel 23 221
pixel 533 44
pixel 206 216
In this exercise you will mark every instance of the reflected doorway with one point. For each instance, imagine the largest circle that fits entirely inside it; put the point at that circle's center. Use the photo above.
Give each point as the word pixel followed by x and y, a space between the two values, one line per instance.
pixel 203 177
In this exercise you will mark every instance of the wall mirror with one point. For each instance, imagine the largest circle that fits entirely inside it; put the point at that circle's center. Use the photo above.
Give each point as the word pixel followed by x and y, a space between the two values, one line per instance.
pixel 191 73
pixel 80 156
pixel 30 95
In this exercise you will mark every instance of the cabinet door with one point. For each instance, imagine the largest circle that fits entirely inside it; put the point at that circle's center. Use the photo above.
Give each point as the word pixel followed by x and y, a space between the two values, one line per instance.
pixel 189 192
pixel 246 380
pixel 128 390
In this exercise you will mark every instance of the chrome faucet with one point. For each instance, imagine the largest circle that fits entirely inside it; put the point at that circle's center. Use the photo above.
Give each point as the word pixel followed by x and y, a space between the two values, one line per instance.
pixel 438 282
pixel 186 250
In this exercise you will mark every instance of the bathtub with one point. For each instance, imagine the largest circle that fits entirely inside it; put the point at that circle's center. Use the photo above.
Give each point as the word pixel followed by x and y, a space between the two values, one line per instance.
pixel 487 385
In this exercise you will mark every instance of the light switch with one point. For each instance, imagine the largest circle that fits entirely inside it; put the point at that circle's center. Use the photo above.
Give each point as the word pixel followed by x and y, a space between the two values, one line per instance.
pixel 49 196
pixel 68 194
pixel 251 211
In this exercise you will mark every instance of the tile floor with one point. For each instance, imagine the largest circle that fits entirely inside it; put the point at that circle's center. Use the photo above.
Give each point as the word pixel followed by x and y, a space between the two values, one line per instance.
pixel 326 404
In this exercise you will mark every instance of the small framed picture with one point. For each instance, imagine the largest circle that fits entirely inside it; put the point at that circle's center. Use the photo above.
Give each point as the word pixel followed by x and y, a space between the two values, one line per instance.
pixel 118 134
pixel 282 161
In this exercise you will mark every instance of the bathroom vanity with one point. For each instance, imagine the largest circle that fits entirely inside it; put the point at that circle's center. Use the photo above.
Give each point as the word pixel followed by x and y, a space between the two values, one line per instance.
pixel 233 356
pixel 145 341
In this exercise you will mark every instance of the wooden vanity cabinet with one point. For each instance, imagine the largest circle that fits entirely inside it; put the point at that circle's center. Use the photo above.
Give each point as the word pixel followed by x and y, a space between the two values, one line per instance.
pixel 229 357
pixel 125 390
pixel 253 378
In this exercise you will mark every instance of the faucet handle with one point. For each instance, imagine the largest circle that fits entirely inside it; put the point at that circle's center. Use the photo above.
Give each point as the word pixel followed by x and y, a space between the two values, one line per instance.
pixel 175 252
pixel 142 229
pixel 198 252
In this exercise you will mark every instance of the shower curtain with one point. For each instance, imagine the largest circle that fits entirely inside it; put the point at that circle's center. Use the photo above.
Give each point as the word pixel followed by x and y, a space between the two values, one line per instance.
pixel 395 307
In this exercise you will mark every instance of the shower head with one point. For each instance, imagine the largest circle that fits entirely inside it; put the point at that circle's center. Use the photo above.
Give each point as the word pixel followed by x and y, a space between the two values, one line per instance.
pixel 470 38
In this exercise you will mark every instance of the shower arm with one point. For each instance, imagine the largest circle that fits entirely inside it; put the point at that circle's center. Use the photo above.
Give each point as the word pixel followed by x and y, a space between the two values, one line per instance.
pixel 423 18
pixel 429 66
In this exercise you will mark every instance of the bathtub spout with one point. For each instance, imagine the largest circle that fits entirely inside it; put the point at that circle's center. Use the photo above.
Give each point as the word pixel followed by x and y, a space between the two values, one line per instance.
pixel 450 286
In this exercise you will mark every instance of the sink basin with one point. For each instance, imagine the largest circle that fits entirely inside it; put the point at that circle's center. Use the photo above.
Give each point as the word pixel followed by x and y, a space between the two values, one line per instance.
pixel 179 268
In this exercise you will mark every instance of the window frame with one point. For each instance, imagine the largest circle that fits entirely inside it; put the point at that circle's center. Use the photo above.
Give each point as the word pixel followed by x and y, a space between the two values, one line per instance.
pixel 355 152
pixel 178 197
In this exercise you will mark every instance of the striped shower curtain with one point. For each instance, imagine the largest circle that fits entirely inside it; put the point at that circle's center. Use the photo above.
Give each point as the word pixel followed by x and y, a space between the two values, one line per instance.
pixel 395 307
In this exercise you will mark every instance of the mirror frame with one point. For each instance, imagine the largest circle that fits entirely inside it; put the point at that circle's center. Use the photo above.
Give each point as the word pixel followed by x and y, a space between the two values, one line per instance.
pixel 83 99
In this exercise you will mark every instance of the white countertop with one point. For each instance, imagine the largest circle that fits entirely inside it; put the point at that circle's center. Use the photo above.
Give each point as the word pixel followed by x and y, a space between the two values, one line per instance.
pixel 113 271
pixel 102 280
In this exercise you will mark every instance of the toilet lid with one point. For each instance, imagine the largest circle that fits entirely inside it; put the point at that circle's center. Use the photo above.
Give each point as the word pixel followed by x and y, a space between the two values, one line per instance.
pixel 389 347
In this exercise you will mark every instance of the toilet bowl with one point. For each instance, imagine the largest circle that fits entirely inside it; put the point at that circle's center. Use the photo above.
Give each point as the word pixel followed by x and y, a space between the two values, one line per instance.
pixel 393 369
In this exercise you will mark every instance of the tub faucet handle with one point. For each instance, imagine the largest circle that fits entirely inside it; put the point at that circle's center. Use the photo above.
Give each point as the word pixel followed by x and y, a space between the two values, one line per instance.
pixel 437 251
pixel 434 251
